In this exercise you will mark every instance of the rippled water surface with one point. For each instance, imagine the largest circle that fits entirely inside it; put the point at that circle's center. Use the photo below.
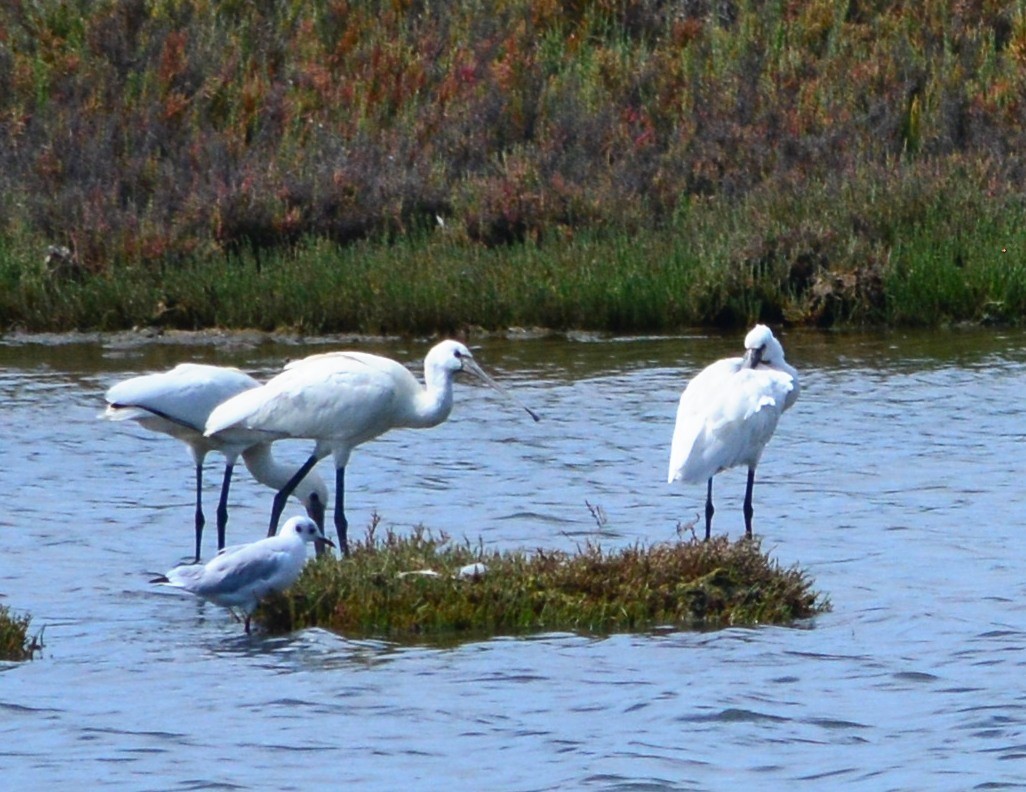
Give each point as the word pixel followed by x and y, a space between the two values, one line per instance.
pixel 896 480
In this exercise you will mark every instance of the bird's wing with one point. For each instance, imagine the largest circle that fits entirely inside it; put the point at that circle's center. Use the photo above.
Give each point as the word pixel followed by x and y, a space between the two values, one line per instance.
pixel 185 395
pixel 775 389
pixel 256 561
pixel 330 359
pixel 697 404
pixel 323 396
pixel 789 380
pixel 744 420
pixel 233 549
pixel 235 413
pixel 125 412
pixel 726 416
pixel 347 360
pixel 186 576
pixel 249 572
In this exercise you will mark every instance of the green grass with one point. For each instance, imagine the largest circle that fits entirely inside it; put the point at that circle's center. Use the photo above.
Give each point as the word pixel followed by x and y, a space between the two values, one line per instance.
pixel 15 643
pixel 624 165
pixel 976 275
pixel 382 591
pixel 913 246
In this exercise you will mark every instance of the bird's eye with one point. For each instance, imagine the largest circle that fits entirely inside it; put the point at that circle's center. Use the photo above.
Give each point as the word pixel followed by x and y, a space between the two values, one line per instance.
pixel 458 354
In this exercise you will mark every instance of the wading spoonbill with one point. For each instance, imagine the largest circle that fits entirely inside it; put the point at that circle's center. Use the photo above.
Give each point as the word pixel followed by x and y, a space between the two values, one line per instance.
pixel 178 403
pixel 728 413
pixel 343 399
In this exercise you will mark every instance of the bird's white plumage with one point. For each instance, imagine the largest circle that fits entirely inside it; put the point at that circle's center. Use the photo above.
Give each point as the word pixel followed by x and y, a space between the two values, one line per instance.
pixel 343 399
pixel 729 411
pixel 179 402
pixel 336 397
pixel 242 575
pixel 726 416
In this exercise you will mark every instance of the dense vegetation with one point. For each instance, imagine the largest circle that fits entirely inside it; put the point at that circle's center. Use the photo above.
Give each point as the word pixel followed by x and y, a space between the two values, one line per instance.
pixel 427 587
pixel 615 164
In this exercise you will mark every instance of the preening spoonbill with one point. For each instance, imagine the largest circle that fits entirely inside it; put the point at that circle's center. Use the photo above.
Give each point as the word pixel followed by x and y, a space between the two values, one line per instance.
pixel 343 399
pixel 242 575
pixel 178 403
pixel 728 413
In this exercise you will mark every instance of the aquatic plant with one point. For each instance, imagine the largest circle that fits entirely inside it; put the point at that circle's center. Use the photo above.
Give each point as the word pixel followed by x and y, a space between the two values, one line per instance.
pixel 425 586
pixel 15 643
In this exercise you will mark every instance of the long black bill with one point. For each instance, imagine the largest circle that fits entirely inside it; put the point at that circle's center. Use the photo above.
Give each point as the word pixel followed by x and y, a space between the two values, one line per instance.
pixel 471 366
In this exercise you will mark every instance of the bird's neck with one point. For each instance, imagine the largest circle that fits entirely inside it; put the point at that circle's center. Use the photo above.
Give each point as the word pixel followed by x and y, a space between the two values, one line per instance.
pixel 265 468
pixel 787 368
pixel 434 403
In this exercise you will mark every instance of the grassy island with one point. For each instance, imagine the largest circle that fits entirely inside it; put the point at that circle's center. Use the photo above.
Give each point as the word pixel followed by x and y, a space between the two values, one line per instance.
pixel 15 643
pixel 426 587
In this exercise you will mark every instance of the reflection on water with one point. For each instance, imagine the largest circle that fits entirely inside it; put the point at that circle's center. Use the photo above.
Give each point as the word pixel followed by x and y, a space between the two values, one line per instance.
pixel 895 479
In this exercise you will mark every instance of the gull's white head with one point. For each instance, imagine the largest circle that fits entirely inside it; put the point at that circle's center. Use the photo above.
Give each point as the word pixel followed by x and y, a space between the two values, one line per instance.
pixel 305 528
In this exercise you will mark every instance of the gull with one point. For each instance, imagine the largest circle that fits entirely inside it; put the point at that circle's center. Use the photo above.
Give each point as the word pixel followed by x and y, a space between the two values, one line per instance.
pixel 242 575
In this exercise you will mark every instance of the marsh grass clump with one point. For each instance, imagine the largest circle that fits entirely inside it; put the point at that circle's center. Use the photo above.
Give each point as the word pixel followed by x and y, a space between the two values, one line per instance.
pixel 419 587
pixel 15 643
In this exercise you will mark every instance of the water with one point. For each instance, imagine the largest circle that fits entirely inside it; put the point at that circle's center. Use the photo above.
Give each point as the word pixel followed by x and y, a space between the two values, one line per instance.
pixel 896 480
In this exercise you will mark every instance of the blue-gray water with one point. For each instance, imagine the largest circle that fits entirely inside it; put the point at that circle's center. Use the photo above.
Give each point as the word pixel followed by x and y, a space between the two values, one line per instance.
pixel 896 481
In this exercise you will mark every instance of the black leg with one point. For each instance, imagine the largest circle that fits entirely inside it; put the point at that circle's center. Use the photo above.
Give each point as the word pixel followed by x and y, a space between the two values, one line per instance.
pixel 748 502
pixel 282 496
pixel 709 510
pixel 315 510
pixel 341 524
pixel 200 519
pixel 222 505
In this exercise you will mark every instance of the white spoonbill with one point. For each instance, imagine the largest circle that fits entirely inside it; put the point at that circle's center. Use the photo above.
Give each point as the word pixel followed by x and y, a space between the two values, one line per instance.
pixel 343 399
pixel 242 575
pixel 178 403
pixel 728 413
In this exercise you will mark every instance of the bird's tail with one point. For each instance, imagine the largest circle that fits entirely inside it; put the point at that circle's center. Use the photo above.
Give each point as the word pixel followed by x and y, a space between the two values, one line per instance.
pixel 158 578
